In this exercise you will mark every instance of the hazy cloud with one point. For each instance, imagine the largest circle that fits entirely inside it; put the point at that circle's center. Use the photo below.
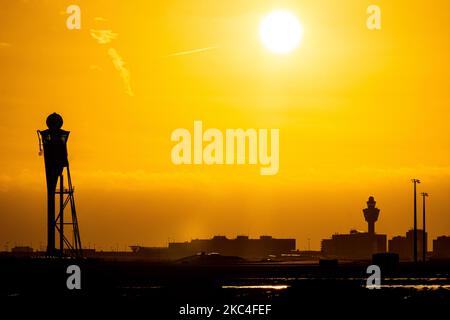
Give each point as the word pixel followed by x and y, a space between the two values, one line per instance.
pixel 103 36
pixel 5 45
pixel 106 36
pixel 119 64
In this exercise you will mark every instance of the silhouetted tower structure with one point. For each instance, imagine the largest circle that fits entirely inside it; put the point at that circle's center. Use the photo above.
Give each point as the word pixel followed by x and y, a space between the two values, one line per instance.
pixel 54 143
pixel 371 214
pixel 424 237
pixel 415 182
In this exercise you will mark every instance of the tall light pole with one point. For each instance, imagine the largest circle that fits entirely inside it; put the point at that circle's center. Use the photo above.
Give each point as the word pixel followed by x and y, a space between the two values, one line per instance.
pixel 415 182
pixel 424 239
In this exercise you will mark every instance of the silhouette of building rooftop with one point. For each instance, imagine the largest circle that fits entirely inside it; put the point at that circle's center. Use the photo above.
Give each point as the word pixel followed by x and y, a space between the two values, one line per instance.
pixel 441 247
pixel 403 246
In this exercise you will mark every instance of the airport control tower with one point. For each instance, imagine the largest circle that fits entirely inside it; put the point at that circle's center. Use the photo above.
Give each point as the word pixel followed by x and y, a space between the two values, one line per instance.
pixel 371 214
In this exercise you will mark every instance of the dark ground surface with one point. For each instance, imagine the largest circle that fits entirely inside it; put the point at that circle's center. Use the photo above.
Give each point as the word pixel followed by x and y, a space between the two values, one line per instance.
pixel 161 289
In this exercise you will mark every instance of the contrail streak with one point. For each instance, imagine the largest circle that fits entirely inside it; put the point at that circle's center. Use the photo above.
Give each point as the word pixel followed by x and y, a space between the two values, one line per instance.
pixel 182 53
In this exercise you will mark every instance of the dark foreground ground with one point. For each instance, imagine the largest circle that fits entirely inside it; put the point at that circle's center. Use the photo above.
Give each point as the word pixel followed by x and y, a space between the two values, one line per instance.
pixel 162 289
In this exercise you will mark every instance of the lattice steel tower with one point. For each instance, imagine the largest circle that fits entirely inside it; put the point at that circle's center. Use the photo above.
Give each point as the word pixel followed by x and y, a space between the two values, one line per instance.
pixel 53 142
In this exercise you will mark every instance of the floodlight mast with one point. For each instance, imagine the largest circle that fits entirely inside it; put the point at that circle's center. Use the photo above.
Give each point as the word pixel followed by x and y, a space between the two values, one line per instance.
pixel 415 182
pixel 424 238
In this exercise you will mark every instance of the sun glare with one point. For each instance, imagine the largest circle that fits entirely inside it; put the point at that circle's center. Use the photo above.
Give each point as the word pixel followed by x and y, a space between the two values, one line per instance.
pixel 281 31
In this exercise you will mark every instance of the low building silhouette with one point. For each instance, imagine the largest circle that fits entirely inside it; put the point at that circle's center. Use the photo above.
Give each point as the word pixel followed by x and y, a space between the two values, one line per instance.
pixel 22 249
pixel 403 246
pixel 441 247
pixel 353 246
pixel 242 246
pixel 357 245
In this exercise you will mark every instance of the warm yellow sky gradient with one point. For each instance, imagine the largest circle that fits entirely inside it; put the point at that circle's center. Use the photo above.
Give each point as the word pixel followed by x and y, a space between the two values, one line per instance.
pixel 360 113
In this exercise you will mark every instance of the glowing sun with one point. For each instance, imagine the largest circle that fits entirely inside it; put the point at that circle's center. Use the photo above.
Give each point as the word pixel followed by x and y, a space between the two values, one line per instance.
pixel 281 31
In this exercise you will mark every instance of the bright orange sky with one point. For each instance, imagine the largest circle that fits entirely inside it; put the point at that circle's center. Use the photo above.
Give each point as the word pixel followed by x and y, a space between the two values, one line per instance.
pixel 360 113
